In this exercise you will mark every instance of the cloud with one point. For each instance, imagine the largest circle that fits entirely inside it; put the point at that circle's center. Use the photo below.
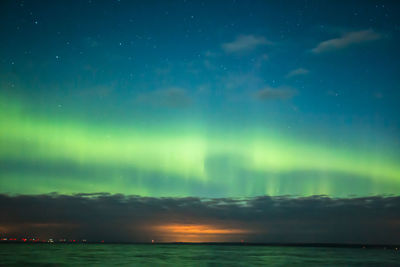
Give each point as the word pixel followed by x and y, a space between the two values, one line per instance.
pixel 170 97
pixel 269 93
pixel 210 54
pixel 245 43
pixel 242 81
pixel 261 219
pixel 296 72
pixel 346 40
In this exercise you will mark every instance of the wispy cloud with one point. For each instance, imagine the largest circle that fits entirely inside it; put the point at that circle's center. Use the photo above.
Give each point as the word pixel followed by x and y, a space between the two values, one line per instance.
pixel 296 72
pixel 346 40
pixel 270 93
pixel 170 97
pixel 245 43
pixel 260 219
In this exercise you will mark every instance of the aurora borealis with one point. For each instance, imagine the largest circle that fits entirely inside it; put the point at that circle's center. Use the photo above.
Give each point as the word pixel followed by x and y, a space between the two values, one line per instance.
pixel 68 156
pixel 204 99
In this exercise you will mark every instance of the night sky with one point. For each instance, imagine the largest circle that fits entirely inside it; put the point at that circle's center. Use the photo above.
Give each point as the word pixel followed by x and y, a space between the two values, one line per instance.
pixel 194 103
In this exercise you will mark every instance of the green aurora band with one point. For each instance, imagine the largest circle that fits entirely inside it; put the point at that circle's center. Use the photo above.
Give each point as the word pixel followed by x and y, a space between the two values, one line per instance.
pixel 40 154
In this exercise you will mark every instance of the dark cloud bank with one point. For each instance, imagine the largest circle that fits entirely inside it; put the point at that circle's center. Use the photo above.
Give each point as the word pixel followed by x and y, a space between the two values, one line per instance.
pixel 317 219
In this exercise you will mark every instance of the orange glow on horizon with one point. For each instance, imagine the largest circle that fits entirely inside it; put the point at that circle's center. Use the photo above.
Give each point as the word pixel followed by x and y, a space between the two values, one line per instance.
pixel 197 233
pixel 198 229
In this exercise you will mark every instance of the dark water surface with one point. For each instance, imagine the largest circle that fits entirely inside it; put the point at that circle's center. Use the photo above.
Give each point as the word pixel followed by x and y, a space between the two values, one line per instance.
pixel 191 255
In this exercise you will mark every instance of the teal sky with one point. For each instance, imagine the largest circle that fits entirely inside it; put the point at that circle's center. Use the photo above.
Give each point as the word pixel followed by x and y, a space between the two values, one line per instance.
pixel 200 98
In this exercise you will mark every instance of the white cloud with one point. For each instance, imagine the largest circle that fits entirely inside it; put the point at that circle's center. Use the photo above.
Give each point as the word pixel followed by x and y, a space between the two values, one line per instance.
pixel 245 43
pixel 348 39
pixel 296 72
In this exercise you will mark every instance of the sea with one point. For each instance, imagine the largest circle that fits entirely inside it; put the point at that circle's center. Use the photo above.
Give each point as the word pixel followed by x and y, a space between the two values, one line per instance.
pixel 191 255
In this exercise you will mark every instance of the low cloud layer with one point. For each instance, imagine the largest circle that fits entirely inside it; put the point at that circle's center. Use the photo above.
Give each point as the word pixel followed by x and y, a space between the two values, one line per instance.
pixel 346 40
pixel 260 219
